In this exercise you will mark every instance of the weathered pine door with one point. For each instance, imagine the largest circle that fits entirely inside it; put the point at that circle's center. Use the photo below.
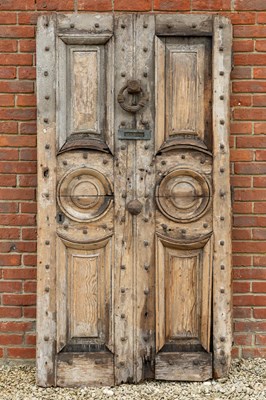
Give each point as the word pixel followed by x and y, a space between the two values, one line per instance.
pixel 133 198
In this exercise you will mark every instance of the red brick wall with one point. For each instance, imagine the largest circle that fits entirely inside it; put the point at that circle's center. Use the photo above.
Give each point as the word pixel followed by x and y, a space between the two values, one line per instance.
pixel 18 162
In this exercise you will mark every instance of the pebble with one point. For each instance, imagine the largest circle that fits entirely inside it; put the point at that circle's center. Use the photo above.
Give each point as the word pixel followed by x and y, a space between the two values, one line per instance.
pixel 246 381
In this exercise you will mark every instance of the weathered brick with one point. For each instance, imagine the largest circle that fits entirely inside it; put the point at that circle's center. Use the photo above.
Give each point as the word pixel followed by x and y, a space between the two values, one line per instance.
pixel 171 5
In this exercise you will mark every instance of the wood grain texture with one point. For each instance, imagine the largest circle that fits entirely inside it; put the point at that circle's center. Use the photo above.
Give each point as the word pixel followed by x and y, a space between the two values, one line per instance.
pixel 183 366
pixel 183 25
pixel 79 369
pixel 222 301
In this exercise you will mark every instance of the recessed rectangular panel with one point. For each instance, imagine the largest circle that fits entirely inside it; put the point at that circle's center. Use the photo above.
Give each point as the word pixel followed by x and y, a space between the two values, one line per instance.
pixel 182 295
pixel 87 85
pixel 184 89
pixel 84 302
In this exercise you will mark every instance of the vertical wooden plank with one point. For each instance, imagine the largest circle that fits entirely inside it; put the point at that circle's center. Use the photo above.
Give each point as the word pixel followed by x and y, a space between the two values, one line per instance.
pixel 145 222
pixel 206 300
pixel 159 92
pixel 123 192
pixel 222 304
pixel 46 77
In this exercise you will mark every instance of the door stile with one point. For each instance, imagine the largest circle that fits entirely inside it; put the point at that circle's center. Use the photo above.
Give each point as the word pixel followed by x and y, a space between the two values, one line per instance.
pixel 123 192
pixel 46 250
pixel 222 301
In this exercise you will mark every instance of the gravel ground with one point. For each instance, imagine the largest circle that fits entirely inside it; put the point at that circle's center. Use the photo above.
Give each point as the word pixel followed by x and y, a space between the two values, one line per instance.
pixel 247 380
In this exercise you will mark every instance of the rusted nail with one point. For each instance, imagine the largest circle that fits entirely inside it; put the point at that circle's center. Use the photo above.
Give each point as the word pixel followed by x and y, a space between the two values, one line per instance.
pixel 47 266
pixel 222 169
pixel 222 242
pixel 205 225
pixel 123 316
pixel 221 48
pixel 145 74
pixel 145 49
pixel 222 121
pixel 123 266
pixel 47 146
pixel 45 120
pixel 72 26
pixel 221 97
pixel 222 290
pixel 46 338
pixel 45 73
pixel 47 48
pixel 222 267
pixel 146 243
pixel 222 338
pixel 123 26
pixel 163 162
pixel 123 74
pixel 221 73
pixel 222 146
pixel 47 242
pixel 96 25
pixel 123 290
pixel 47 97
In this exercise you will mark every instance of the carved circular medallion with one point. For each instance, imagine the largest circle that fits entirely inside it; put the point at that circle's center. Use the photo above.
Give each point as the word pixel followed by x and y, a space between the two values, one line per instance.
pixel 84 194
pixel 183 195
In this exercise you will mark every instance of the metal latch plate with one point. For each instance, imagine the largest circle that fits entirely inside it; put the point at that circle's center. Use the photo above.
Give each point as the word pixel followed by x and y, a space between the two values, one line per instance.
pixel 134 134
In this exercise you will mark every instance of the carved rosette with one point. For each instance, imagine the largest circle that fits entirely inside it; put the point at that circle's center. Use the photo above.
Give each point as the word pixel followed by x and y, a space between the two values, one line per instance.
pixel 183 195
pixel 84 194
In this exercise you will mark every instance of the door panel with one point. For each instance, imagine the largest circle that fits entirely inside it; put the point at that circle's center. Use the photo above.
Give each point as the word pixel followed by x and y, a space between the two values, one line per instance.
pixel 133 262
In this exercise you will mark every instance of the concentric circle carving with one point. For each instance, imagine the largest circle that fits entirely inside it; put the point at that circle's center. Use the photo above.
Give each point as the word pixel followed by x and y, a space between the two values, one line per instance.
pixel 84 194
pixel 183 195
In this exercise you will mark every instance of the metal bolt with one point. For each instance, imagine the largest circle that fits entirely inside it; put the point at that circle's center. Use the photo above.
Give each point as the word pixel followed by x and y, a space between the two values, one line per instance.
pixel 194 25
pixel 124 194
pixel 47 97
pixel 85 231
pixel 146 243
pixel 145 74
pixel 47 48
pixel 222 121
pixel 222 218
pixel 46 338
pixel 64 162
pixel 221 26
pixel 145 338
pixel 72 26
pixel 163 162
pixel 145 49
pixel 221 146
pixel 96 25
pixel 222 290
pixel 146 291
pixel 47 266
pixel 221 48
pixel 169 26
pixel 123 147
pixel 222 267
pixel 47 146
pixel 65 226
pixel 123 219
pixel 123 266
pixel 221 73
pixel 104 226
pixel 145 219
pixel 123 74
pixel 222 338
pixel 105 161
pixel 47 289
pixel 222 193
pixel 146 147
pixel 122 364
pixel 183 156
pixel 85 155
pixel 46 120
pixel 202 161
pixel 164 226
pixel 221 97
pixel 205 225
pixel 183 231
pixel 123 290
pixel 45 73
pixel 222 169
pixel 123 339
pixel 146 267
pixel 123 123
pixel 145 25
pixel 46 24
pixel 222 242
pixel 123 316
pixel 123 26
pixel 47 242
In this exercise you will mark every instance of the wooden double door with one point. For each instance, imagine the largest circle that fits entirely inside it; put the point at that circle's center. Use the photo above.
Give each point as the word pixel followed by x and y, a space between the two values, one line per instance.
pixel 134 198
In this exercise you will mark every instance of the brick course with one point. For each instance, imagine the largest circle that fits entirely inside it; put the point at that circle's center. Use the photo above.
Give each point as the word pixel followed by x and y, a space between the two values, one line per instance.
pixel 18 162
